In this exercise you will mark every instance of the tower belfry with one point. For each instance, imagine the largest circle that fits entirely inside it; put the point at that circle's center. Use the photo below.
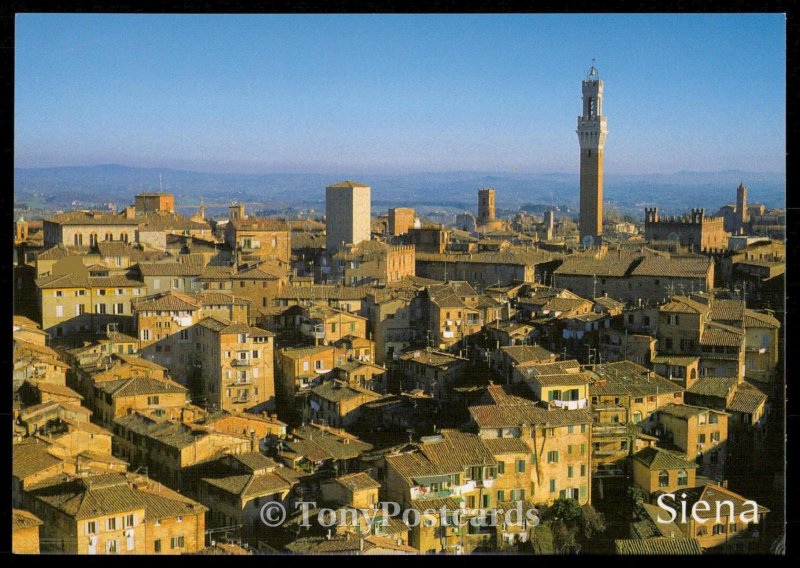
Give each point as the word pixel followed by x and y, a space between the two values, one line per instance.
pixel 592 131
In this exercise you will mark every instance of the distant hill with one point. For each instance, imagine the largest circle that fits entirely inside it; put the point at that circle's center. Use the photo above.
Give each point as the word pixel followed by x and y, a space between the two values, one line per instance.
pixel 58 188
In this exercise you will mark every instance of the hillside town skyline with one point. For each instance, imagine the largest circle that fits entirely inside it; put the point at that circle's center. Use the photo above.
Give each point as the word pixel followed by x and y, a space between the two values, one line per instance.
pixel 363 376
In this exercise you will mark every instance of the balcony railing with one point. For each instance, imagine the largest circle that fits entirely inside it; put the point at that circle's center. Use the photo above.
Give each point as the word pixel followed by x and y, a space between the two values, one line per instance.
pixel 242 363
pixel 609 429
pixel 420 493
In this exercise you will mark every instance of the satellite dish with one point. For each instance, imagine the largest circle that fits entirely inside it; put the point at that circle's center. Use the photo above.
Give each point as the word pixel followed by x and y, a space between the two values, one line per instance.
pixel 588 241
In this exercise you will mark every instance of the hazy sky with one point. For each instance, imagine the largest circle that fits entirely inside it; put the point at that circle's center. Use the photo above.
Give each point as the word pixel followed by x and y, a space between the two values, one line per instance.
pixel 385 93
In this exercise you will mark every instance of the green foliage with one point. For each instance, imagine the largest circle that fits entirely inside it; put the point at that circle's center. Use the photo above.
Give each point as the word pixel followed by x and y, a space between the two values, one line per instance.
pixel 573 526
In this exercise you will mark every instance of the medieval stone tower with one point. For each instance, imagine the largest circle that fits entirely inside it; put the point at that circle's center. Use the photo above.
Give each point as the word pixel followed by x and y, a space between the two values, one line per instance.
pixel 592 131
pixel 486 207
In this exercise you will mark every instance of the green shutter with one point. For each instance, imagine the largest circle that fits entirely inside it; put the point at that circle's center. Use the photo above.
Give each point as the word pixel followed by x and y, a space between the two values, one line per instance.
pixel 501 496
pixel 583 491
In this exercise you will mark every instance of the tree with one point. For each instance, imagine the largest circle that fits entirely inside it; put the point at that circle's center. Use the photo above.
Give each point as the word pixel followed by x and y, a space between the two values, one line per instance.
pixel 573 526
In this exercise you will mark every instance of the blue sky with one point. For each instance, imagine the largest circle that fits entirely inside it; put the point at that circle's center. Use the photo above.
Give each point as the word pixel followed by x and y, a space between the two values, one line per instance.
pixel 386 93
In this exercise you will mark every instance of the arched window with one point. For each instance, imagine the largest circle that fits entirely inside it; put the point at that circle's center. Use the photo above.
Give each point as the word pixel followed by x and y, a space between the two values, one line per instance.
pixel 683 477
pixel 663 478
pixel 78 239
pixel 694 374
pixel 109 237
pixel 93 240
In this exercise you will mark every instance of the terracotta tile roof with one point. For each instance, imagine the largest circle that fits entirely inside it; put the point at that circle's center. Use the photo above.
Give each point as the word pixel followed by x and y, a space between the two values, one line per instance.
pixel 551 367
pixel 498 394
pixel 302 352
pixel 171 301
pixel 249 484
pixel 224 548
pixel 683 305
pixel 138 361
pixel 720 387
pixel 659 546
pixel 685 410
pixel 509 256
pixel 159 221
pixel 564 379
pixel 629 379
pixel 720 335
pixel 213 298
pixel 136 386
pixel 456 451
pixel 612 264
pixel 170 268
pixel 337 391
pixel 756 319
pixel 173 434
pixel 318 444
pixel 225 326
pixel 495 416
pixel 714 494
pixel 525 353
pixel 89 497
pixel 674 267
pixel 674 359
pixel 91 218
pixel 260 224
pixel 450 294
pixel 449 503
pixel 322 292
pixel 727 311
pixel 432 358
pixel 32 456
pixel 163 503
pixel 658 459
pixel 499 446
pixel 748 399
pixel 261 272
pixel 60 251
pixel 358 482
pixel 105 494
pixel 114 281
pixel 21 519
pixel 416 465
pixel 62 281
pixel 216 272
pixel 56 389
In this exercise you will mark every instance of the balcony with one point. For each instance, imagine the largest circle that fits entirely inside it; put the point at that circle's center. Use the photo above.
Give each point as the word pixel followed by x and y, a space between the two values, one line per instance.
pixel 422 492
pixel 448 334
pixel 242 363
pixel 609 430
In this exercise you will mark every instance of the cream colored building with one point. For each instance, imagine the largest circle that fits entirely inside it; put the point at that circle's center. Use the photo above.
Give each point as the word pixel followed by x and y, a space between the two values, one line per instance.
pixel 234 363
pixel 347 214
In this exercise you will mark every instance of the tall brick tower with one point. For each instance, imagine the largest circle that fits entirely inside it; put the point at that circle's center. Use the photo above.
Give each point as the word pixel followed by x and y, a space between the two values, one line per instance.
pixel 592 131
pixel 486 210
pixel 741 208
